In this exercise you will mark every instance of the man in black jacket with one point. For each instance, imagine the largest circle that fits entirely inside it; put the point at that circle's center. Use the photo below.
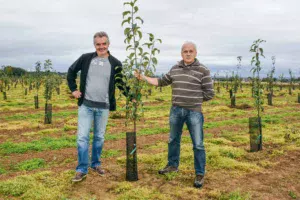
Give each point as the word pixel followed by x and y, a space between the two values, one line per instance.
pixel 100 71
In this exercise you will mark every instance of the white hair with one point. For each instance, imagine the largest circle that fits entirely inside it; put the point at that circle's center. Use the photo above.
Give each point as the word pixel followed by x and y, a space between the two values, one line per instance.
pixel 189 42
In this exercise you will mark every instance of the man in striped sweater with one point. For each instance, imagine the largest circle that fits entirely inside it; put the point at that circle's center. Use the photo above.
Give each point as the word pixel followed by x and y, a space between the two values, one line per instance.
pixel 191 85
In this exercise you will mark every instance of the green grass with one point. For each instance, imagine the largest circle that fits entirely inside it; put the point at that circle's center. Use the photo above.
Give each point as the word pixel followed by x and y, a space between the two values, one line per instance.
pixel 31 164
pixel 44 185
pixel 228 157
pixel 225 123
pixel 214 102
pixel 266 119
pixel 42 145
pixel 292 195
pixel 242 139
pixel 42 132
pixel 46 143
pixel 69 127
pixel 111 153
pixel 153 131
pixel 226 150
pixel 143 193
pixel 15 103
pixel 49 143
pixel 2 170
pixel 170 176
pixel 218 141
pixel 235 195
pixel 122 187
pixel 39 115
pixel 218 157
pixel 232 152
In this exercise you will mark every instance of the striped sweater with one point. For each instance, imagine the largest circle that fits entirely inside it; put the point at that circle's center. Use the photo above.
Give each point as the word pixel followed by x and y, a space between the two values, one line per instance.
pixel 191 85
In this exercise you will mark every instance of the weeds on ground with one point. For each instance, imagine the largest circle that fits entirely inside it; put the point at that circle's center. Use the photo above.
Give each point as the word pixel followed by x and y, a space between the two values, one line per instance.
pixel 29 165
pixel 44 185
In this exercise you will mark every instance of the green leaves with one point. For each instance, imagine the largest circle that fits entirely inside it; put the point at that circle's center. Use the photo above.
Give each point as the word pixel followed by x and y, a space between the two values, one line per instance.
pixel 140 19
pixel 139 97
pixel 38 66
pixel 127 31
pixel 132 3
pixel 257 86
pixel 292 77
pixel 140 50
pixel 151 37
pixel 261 52
pixel 136 44
pixel 48 65
pixel 148 45
pixel 125 13
pixel 140 58
pixel 155 49
pixel 239 58
pixel 128 20
pixel 128 38
pixel 140 34
pixel 154 60
pixel 131 56
pixel 128 47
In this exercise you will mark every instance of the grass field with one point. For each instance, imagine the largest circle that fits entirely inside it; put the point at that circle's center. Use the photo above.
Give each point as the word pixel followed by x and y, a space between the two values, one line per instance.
pixel 38 161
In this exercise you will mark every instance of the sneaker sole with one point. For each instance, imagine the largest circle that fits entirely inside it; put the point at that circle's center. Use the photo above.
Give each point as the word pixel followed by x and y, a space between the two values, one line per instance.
pixel 162 173
pixel 197 185
pixel 79 180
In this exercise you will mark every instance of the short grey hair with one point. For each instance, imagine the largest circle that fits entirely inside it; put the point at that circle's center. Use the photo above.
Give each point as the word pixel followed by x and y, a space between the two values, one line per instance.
pixel 101 34
pixel 189 42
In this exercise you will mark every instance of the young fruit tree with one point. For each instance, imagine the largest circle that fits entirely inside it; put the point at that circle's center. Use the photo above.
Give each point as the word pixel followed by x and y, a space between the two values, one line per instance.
pixel 270 79
pixel 141 58
pixel 217 81
pixel 292 80
pixel 239 76
pixel 49 86
pixel 281 79
pixel 38 80
pixel 4 82
pixel 255 122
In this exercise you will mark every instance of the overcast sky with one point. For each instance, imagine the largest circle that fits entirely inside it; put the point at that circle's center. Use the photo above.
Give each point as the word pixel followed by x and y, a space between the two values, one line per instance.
pixel 62 30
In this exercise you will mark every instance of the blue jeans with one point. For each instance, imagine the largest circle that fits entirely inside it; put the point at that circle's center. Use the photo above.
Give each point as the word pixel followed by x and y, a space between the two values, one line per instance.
pixel 194 121
pixel 86 115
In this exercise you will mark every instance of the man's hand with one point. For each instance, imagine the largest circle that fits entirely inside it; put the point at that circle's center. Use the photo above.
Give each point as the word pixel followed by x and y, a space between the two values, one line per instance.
pixel 138 75
pixel 76 94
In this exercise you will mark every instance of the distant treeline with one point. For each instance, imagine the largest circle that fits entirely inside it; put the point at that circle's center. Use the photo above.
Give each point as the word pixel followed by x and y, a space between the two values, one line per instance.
pixel 17 71
pixel 262 79
pixel 13 71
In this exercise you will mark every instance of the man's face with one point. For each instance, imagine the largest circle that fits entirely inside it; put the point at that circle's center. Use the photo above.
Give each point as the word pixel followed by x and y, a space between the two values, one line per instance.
pixel 101 45
pixel 188 53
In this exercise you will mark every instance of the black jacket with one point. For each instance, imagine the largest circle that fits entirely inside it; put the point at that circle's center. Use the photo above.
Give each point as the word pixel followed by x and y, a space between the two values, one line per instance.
pixel 83 63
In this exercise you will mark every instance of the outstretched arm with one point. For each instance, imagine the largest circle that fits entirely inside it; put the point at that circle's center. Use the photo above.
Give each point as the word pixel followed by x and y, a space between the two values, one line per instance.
pixel 152 81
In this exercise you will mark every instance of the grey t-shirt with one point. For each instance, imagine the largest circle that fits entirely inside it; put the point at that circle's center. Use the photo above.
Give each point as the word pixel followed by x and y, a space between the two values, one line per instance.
pixel 97 83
